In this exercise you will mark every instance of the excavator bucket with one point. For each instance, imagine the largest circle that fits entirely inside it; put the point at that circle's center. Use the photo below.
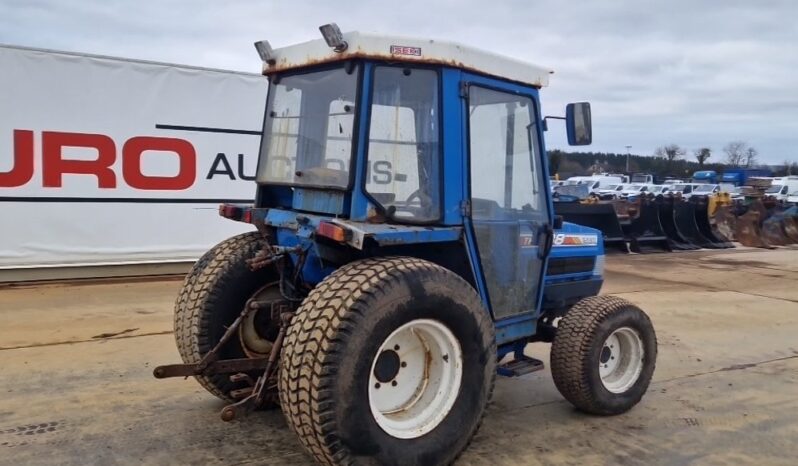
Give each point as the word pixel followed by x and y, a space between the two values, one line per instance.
pixel 771 226
pixel 717 201
pixel 784 218
pixel 725 222
pixel 705 227
pixel 668 222
pixel 625 211
pixel 791 228
pixel 684 215
pixel 748 232
pixel 598 215
pixel 645 231
pixel 757 206
pixel 773 231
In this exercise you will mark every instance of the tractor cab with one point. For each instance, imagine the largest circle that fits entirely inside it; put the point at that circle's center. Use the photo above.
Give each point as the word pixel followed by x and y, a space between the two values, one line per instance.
pixel 387 145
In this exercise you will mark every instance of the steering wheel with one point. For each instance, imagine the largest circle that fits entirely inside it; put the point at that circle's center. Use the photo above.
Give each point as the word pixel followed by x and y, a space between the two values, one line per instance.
pixel 422 198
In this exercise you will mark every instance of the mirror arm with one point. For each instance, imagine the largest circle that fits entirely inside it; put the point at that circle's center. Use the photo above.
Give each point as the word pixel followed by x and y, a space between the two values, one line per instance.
pixel 546 123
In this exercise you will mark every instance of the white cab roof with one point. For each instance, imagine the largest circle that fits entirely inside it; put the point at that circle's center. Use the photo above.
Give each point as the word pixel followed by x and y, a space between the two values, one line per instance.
pixel 409 50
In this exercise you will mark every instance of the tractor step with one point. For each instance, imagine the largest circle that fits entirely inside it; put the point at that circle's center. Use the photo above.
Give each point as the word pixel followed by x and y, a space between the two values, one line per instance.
pixel 518 367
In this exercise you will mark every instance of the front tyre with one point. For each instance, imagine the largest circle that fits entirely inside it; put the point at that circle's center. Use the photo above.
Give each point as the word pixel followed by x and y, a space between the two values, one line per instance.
pixel 388 361
pixel 603 355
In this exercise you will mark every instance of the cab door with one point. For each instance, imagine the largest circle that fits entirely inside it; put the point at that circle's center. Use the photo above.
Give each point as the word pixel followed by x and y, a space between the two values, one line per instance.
pixel 510 219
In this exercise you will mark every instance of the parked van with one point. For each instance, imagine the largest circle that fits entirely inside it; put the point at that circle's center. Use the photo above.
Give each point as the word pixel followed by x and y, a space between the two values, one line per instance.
pixel 705 190
pixel 781 188
pixel 611 189
pixel 595 182
pixel 658 189
pixel 685 189
pixel 634 189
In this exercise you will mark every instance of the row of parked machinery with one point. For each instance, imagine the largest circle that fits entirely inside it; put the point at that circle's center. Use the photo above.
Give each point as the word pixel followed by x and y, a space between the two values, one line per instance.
pixel 607 187
pixel 677 215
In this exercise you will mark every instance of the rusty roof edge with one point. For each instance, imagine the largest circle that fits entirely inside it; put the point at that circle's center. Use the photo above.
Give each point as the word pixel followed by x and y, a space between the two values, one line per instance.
pixel 411 50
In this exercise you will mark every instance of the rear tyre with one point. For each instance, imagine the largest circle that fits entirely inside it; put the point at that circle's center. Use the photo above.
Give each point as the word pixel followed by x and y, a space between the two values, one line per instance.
pixel 388 361
pixel 213 295
pixel 603 355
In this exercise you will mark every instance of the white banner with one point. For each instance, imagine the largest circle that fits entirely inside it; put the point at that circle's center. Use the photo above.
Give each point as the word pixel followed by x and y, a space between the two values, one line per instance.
pixel 111 161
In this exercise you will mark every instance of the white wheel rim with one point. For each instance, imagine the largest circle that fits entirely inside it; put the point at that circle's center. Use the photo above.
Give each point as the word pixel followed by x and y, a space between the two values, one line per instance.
pixel 417 380
pixel 621 360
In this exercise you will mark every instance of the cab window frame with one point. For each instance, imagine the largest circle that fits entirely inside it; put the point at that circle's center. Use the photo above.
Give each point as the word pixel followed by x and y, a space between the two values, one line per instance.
pixel 536 141
pixel 359 69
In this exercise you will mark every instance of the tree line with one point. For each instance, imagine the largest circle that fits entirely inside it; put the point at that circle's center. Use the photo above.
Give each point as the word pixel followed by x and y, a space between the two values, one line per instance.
pixel 668 160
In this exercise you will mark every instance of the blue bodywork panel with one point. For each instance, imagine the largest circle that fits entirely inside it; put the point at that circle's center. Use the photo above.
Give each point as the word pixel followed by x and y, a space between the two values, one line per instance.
pixel 319 201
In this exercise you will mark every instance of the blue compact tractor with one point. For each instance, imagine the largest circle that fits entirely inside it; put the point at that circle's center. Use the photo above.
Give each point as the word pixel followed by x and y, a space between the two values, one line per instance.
pixel 404 252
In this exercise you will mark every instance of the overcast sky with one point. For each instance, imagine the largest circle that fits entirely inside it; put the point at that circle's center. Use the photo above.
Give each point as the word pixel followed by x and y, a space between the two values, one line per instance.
pixel 691 72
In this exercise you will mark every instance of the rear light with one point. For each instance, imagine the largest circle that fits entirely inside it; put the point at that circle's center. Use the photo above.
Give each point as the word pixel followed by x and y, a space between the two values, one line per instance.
pixel 230 211
pixel 237 213
pixel 333 232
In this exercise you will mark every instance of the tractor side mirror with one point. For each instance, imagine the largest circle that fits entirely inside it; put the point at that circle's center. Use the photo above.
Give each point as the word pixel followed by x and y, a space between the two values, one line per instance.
pixel 578 124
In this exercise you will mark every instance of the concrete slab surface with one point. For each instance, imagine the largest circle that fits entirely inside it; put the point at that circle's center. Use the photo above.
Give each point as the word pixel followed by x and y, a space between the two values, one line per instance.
pixel 77 387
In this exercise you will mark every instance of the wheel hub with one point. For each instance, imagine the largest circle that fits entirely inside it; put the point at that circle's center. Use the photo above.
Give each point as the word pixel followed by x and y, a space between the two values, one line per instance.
pixel 259 328
pixel 606 354
pixel 387 366
pixel 415 378
pixel 621 360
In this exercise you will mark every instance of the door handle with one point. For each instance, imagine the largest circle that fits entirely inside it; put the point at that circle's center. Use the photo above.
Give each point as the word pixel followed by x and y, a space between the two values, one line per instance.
pixel 545 246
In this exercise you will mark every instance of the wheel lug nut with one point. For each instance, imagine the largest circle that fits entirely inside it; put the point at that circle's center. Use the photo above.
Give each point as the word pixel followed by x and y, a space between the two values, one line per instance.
pixel 404 364
pixel 396 348
pixel 393 383
pixel 377 385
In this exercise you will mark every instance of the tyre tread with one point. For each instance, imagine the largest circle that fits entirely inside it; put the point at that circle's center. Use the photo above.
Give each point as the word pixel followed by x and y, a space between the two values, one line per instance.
pixel 198 293
pixel 576 333
pixel 316 339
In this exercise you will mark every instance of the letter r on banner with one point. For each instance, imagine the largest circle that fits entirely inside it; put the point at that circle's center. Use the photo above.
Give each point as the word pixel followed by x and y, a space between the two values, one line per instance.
pixel 54 166
pixel 131 163
pixel 22 170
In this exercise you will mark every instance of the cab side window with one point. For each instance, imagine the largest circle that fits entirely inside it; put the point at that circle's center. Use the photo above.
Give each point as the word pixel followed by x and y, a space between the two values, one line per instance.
pixel 404 143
